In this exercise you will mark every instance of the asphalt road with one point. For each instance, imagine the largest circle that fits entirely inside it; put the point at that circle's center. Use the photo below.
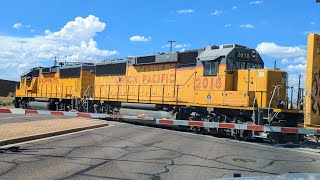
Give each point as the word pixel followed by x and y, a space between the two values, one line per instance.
pixel 126 151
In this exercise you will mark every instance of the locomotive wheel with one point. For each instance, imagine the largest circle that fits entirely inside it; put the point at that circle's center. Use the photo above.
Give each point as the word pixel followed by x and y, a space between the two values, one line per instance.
pixel 240 134
pixel 24 104
pixel 16 103
pixel 277 137
pixel 198 130
pixel 293 138
pixel 282 138
pixel 213 131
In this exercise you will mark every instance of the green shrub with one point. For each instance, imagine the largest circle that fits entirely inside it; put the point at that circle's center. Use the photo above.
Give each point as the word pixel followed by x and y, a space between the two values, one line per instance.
pixel 8 103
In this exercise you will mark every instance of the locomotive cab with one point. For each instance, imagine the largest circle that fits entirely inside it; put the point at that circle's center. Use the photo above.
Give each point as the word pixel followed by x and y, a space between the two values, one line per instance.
pixel 237 79
pixel 28 81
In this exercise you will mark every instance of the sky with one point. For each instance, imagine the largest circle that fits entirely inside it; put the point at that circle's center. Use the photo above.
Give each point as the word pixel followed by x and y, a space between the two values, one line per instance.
pixel 34 32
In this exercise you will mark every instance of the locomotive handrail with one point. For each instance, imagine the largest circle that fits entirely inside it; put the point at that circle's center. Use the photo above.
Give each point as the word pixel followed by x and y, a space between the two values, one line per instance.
pixel 194 73
pixel 274 90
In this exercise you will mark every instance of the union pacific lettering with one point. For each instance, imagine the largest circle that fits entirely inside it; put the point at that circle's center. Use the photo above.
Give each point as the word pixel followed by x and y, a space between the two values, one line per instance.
pixel 158 78
pixel 147 79
pixel 128 79
pixel 49 80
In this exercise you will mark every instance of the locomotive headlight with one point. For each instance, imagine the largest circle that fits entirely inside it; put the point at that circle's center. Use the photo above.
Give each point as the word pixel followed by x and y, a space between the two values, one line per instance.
pixel 253 53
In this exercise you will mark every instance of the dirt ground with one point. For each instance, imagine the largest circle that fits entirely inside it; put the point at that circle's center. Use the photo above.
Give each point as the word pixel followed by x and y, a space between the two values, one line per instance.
pixel 6 101
pixel 14 130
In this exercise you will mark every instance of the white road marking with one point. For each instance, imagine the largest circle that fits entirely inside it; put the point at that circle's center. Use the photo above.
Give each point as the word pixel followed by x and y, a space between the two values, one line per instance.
pixel 14 117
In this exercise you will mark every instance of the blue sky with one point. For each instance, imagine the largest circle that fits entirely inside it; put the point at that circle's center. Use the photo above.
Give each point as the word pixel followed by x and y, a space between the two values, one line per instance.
pixel 278 29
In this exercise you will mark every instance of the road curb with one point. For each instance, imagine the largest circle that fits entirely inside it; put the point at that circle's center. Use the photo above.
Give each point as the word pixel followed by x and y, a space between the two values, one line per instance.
pixel 41 136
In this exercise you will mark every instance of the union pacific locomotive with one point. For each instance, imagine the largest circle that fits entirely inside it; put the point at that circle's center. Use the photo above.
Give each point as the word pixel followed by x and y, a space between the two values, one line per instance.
pixel 226 83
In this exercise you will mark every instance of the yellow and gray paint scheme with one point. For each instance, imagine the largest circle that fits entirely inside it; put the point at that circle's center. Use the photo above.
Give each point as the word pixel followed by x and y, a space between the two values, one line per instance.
pixel 226 83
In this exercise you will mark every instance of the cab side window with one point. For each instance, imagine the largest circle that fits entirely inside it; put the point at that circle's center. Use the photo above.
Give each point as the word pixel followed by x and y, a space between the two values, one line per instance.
pixel 29 78
pixel 22 79
pixel 241 65
pixel 211 67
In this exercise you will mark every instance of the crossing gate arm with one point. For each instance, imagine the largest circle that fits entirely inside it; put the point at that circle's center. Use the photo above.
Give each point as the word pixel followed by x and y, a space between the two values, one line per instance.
pixel 75 114
pixel 260 128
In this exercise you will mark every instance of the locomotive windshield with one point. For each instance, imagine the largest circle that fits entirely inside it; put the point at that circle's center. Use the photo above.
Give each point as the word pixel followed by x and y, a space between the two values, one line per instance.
pixel 248 65
pixel 233 55
pixel 29 74
pixel 247 59
pixel 211 67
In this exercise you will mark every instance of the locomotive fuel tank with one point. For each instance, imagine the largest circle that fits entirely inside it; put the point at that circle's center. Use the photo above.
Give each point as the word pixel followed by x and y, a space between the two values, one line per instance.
pixel 139 106
pixel 39 105
pixel 149 113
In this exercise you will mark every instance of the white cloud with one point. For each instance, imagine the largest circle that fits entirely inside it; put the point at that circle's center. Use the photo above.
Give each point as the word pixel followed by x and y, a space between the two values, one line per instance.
pixel 47 31
pixel 81 29
pixel 227 25
pixel 301 59
pixel 216 12
pixel 20 25
pixel 181 46
pixel 248 26
pixel 185 11
pixel 294 72
pixel 294 80
pixel 292 56
pixel 284 61
pixel 140 38
pixel 234 7
pixel 17 26
pixel 73 42
pixel 273 50
pixel 299 67
pixel 166 46
pixel 255 2
pixel 177 46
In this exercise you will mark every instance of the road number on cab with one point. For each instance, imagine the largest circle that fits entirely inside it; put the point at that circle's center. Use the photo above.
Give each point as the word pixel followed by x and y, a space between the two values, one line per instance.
pixel 245 55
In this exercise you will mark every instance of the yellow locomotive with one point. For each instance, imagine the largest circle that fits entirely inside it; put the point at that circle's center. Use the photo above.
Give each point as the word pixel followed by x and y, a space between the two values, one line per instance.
pixel 55 88
pixel 228 80
pixel 223 84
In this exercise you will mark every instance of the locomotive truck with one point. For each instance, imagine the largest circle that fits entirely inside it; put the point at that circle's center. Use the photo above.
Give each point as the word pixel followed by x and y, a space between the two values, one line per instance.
pixel 226 83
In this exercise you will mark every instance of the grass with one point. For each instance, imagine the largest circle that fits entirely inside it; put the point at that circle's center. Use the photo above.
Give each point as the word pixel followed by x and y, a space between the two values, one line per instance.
pixel 6 101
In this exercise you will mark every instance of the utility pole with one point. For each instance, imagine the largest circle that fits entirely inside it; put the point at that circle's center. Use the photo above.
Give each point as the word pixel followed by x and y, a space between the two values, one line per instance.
pixel 291 104
pixel 171 41
pixel 55 61
pixel 298 98
pixel 275 64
